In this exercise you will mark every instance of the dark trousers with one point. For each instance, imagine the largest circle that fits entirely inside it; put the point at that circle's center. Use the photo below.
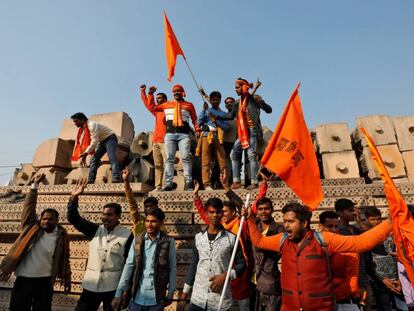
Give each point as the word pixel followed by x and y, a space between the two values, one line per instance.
pixel 384 298
pixel 31 294
pixel 137 307
pixel 267 302
pixel 90 301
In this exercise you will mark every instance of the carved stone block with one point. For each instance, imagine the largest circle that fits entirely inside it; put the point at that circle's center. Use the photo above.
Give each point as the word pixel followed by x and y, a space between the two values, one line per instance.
pixel 392 159
pixel 333 137
pixel 408 157
pixel 23 175
pixel 404 129
pixel 54 152
pixel 340 165
pixel 380 127
pixel 142 144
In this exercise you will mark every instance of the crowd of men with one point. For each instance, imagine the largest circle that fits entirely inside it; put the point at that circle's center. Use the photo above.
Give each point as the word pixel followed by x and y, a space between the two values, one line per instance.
pixel 286 266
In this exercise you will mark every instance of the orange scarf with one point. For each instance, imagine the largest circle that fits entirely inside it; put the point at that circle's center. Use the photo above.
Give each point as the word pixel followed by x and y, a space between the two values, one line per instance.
pixel 242 130
pixel 178 121
pixel 233 226
pixel 81 145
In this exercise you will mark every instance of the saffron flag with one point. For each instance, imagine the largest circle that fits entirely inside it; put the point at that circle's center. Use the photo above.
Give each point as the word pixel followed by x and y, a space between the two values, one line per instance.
pixel 402 221
pixel 172 47
pixel 290 154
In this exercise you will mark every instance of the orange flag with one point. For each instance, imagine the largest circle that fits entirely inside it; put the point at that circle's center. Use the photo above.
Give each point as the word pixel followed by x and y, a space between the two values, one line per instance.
pixel 402 221
pixel 290 154
pixel 172 47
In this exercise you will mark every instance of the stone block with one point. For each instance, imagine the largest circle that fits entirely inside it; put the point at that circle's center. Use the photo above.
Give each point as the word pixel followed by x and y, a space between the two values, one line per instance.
pixel 53 152
pixel 53 175
pixel 380 127
pixel 404 129
pixel 392 159
pixel 340 165
pixel 76 174
pixel 24 174
pixel 119 122
pixel 333 137
pixel 142 144
pixel 408 157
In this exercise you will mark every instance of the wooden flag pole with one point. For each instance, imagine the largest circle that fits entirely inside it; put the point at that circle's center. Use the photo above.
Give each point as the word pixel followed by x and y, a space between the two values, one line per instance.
pixel 233 255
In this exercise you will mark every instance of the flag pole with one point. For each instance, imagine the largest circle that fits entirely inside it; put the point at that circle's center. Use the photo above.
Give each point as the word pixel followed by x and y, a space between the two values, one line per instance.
pixel 194 79
pixel 233 255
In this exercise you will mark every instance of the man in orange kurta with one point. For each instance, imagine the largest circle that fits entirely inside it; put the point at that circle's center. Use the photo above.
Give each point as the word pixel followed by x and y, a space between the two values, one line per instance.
pixel 344 268
pixel 158 152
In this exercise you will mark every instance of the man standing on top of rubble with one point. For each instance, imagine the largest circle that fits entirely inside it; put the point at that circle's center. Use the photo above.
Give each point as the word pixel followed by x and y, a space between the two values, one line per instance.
pixel 38 257
pixel 178 114
pixel 95 139
pixel 108 250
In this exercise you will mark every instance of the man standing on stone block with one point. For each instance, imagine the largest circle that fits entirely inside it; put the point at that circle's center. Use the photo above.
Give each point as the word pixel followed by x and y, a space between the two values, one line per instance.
pixel 38 257
pixel 178 114
pixel 150 269
pixel 95 139
pixel 158 152
pixel 108 249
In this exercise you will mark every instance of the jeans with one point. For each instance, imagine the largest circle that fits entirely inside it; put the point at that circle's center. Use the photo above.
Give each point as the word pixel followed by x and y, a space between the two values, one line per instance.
pixel 347 307
pixel 109 146
pixel 137 307
pixel 31 294
pixel 172 141
pixel 236 155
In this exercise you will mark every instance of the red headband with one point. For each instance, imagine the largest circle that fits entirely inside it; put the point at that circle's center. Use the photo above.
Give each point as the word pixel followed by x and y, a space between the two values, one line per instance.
pixel 179 87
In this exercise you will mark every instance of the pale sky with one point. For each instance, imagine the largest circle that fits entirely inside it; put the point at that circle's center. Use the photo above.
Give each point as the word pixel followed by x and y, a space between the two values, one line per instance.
pixel 353 58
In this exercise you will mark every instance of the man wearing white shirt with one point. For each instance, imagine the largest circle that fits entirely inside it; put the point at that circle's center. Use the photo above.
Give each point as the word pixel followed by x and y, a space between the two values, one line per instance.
pixel 95 139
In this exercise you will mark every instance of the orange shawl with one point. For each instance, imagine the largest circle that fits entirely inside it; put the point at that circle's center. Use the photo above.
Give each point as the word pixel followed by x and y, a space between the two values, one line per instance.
pixel 242 130
pixel 178 121
pixel 81 145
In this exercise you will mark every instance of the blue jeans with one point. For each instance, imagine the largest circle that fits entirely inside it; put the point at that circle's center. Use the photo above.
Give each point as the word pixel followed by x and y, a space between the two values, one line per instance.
pixel 172 141
pixel 109 146
pixel 137 307
pixel 236 156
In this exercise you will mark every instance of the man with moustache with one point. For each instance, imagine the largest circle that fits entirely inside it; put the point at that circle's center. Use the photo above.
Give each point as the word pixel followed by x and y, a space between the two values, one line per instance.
pixel 109 243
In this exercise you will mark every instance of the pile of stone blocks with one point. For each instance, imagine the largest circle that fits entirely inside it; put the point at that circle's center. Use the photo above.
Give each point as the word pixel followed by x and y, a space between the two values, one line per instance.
pixel 381 129
pixel 404 131
pixel 333 143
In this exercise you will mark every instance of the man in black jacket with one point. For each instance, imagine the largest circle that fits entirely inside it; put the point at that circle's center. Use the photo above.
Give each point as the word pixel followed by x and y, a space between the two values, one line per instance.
pixel 267 274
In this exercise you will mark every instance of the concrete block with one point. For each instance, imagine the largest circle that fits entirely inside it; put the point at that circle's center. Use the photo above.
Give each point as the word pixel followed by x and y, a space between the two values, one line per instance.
pixel 54 152
pixel 408 157
pixel 380 127
pixel 334 137
pixel 119 122
pixel 53 175
pixel 24 174
pixel 404 129
pixel 340 165
pixel 76 174
pixel 392 159
pixel 104 174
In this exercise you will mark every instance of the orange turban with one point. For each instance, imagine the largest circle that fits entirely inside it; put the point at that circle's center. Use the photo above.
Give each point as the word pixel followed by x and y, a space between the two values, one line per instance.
pixel 179 87
pixel 245 85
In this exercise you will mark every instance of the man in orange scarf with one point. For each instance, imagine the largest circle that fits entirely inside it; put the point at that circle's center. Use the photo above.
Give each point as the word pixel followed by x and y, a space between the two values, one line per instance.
pixel 178 114
pixel 249 129
pixel 95 139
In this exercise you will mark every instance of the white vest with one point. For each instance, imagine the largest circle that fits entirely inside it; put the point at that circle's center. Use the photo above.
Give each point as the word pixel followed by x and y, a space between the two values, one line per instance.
pixel 106 259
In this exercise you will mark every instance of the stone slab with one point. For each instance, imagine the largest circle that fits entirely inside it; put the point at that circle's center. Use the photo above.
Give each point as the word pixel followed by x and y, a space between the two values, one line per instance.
pixel 54 152
pixel 380 127
pixel 404 129
pixel 333 137
pixel 340 165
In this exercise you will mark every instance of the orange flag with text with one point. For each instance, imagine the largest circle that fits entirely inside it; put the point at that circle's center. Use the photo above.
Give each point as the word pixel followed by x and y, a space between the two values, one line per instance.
pixel 291 155
pixel 172 47
pixel 402 221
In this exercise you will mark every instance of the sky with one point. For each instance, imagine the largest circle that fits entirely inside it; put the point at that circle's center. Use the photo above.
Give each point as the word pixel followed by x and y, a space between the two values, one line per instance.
pixel 353 58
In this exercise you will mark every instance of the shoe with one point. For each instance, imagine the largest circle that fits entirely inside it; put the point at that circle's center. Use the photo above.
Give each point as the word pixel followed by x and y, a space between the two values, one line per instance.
pixel 208 188
pixel 252 187
pixel 188 186
pixel 235 185
pixel 167 188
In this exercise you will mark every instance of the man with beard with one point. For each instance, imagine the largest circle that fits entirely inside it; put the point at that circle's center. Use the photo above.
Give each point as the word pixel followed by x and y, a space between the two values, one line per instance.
pixel 178 115
pixel 306 279
pixel 108 249
pixel 38 257
pixel 158 152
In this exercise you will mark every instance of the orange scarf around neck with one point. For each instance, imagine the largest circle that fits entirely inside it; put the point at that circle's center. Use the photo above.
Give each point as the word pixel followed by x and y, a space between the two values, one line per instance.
pixel 242 129
pixel 81 145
